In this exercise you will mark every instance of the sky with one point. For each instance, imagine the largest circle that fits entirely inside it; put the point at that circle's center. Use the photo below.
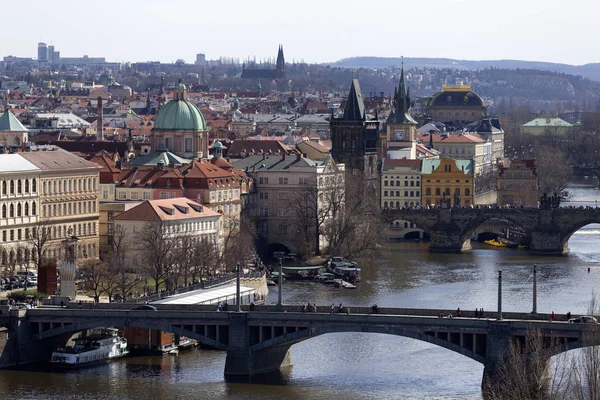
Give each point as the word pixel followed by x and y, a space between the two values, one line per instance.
pixel 564 31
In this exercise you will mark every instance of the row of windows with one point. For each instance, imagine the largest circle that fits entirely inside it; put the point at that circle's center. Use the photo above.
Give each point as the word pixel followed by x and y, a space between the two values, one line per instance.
pixel 56 186
pixel 24 256
pixel 72 208
pixel 189 227
pixel 407 193
pixel 224 195
pixel 398 224
pixel 22 209
pixel 462 150
pixel 55 232
pixel 122 195
pixel 397 183
pixel 397 204
pixel 21 186
pixel 438 191
pixel 456 114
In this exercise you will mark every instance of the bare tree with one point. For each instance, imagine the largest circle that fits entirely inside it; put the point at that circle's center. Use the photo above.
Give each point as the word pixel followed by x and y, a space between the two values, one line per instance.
pixel 94 274
pixel 524 372
pixel 553 170
pixel 204 258
pixel 123 276
pixel 354 227
pixel 38 238
pixel 154 247
pixel 238 242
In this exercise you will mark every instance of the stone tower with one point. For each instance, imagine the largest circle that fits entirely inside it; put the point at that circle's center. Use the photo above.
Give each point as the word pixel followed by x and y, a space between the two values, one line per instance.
pixel 354 138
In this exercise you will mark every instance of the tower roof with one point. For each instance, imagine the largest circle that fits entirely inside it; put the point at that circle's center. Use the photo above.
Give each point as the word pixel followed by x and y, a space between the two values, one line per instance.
pixel 355 106
pixel 401 112
pixel 8 122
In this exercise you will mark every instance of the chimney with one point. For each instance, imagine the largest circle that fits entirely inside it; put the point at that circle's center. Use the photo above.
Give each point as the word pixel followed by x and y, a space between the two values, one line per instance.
pixel 264 155
pixel 283 156
pixel 99 122
pixel 298 157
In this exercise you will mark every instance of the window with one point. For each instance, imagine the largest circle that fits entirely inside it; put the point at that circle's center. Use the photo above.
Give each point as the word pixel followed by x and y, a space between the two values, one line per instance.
pixel 135 196
pixel 3 187
pixel 26 185
pixel 12 187
pixel 146 196
pixel 12 211
pixel 263 195
pixel 406 193
pixel 122 195
pixel 385 192
pixel 105 193
pixel 4 211
pixel 303 181
pixel 19 186
pixel 467 192
pixel 263 212
pixel 263 180
pixel 26 211
pixel 412 183
pixel 385 183
pixel 188 145
pixel 405 183
pixel 283 181
pixel 437 191
pixel 397 193
pixel 428 192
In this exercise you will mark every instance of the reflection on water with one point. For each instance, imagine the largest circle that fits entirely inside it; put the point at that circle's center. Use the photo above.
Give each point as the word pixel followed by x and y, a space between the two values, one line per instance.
pixel 356 365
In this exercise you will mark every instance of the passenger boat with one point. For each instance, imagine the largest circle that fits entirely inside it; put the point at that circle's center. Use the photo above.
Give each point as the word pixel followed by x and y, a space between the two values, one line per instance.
pixel 97 348
pixel 347 270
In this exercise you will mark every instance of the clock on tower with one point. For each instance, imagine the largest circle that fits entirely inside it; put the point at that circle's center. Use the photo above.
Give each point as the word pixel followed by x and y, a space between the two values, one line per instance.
pixel 399 135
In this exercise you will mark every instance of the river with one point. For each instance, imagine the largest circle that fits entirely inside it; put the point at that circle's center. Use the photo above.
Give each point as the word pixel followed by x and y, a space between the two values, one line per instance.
pixel 357 365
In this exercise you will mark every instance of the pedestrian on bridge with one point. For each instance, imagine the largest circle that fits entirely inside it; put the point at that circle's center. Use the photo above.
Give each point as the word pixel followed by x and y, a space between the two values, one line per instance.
pixel 458 312
pixel 568 315
pixel 553 317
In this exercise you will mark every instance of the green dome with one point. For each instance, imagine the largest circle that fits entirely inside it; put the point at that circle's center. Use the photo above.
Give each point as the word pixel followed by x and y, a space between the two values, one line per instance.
pixel 180 115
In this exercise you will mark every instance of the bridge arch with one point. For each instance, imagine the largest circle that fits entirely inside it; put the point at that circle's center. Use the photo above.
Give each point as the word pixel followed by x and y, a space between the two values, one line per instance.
pixel 470 227
pixel 474 349
pixel 73 328
pixel 568 230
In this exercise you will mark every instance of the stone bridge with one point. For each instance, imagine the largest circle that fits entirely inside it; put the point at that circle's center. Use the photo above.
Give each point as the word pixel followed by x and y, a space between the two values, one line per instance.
pixel 259 341
pixel 548 230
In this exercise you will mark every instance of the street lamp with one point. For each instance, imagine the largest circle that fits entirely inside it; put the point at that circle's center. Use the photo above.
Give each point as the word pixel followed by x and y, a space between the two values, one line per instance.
pixel 237 288
pixel 280 281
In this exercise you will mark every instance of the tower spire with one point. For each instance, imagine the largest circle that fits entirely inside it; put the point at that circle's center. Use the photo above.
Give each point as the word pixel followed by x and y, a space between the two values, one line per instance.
pixel 355 107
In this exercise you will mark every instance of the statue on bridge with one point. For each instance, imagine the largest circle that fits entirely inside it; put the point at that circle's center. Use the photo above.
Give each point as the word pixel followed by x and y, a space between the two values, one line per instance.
pixel 456 199
pixel 548 202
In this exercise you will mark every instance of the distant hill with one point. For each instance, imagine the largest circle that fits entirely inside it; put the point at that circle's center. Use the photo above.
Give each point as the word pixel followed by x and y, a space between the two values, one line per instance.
pixel 590 71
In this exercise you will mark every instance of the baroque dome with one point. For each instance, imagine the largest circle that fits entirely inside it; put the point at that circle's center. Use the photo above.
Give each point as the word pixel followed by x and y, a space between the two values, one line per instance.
pixel 180 114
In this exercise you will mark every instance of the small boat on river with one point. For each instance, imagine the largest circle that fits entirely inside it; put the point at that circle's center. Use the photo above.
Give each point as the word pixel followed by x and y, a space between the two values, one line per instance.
pixel 98 348
pixel 344 269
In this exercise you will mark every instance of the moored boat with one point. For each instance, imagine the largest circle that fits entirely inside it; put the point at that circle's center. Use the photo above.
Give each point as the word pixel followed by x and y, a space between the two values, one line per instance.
pixel 97 348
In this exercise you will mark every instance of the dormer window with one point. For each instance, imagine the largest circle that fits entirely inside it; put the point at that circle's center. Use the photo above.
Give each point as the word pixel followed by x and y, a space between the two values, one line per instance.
pixel 168 183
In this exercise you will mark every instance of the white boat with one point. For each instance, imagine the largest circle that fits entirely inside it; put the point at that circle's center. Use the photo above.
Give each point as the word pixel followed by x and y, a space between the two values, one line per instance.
pixel 97 348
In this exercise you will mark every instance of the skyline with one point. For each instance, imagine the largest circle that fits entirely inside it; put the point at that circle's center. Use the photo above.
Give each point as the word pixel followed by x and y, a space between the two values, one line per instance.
pixel 318 32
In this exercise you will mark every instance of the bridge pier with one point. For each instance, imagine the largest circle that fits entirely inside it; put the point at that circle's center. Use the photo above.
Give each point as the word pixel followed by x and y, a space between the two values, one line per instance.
pixel 245 362
pixel 442 241
pixel 548 242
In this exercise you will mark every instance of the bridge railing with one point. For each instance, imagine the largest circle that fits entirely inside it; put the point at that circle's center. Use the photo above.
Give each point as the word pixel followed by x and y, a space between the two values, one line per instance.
pixel 325 309
pixel 205 284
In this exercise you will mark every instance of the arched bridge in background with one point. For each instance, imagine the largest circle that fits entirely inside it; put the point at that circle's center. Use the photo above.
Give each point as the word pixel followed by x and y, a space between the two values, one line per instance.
pixel 259 341
pixel 547 230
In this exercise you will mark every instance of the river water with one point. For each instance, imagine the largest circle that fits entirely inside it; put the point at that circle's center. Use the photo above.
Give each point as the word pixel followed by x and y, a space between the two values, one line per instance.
pixel 357 365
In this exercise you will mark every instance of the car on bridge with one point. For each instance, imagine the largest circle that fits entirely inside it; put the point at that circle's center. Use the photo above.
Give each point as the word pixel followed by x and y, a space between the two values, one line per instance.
pixel 584 319
pixel 144 307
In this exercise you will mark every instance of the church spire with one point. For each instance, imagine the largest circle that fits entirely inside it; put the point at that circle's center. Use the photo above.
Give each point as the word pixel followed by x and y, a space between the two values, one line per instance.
pixel 355 107
pixel 401 111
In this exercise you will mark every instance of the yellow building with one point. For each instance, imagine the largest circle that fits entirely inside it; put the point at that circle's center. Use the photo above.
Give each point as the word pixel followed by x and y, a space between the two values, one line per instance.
pixel 447 179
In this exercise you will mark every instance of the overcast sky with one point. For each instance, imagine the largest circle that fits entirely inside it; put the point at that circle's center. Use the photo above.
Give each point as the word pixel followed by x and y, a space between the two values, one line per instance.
pixel 565 31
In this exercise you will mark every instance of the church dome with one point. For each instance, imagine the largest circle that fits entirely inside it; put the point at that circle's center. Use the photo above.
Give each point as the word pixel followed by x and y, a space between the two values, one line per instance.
pixel 457 96
pixel 180 114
